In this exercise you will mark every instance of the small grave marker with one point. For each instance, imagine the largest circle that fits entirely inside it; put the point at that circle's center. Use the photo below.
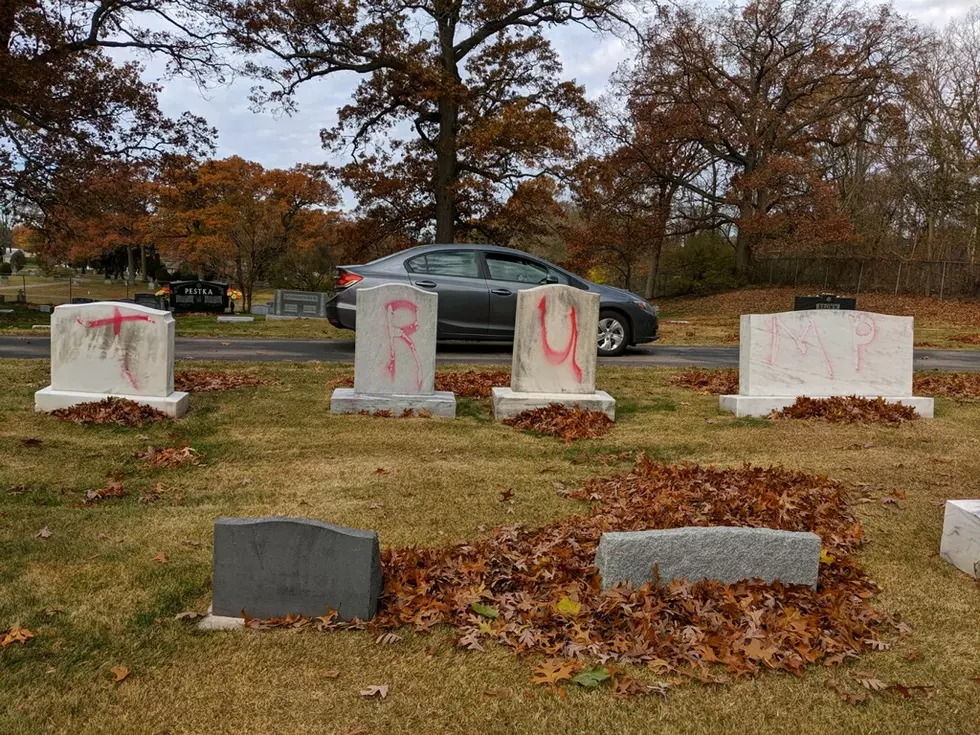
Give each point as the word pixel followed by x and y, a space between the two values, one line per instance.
pixel 961 536
pixel 269 567
pixel 723 553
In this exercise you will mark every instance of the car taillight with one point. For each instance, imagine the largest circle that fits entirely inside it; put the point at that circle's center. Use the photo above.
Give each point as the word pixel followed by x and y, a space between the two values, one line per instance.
pixel 346 278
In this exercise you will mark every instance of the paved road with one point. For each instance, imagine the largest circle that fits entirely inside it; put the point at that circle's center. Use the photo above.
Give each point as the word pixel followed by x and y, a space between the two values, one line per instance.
pixel 305 350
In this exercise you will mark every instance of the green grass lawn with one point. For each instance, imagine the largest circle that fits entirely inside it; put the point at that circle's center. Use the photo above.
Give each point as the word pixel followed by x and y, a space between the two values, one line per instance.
pixel 96 598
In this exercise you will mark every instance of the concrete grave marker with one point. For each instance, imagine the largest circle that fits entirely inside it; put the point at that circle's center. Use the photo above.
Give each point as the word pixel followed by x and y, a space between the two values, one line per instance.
pixel 111 349
pixel 395 354
pixel 820 354
pixel 961 536
pixel 723 553
pixel 554 353
pixel 269 567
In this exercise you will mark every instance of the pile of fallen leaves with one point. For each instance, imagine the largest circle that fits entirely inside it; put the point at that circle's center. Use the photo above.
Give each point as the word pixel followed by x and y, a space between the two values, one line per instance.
pixel 848 410
pixel 111 411
pixel 565 423
pixel 465 384
pixel 538 591
pixel 200 381
pixel 472 383
pixel 708 382
pixel 968 339
pixel 168 456
pixel 958 386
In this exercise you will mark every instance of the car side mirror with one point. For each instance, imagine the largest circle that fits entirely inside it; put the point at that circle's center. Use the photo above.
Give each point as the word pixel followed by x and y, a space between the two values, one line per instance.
pixel 549 279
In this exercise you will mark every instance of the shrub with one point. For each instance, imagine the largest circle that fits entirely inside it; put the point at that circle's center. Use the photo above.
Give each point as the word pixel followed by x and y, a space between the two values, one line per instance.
pixel 705 264
pixel 5 269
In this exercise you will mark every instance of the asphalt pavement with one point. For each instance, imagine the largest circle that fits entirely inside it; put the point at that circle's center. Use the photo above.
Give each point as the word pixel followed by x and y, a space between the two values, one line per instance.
pixel 308 350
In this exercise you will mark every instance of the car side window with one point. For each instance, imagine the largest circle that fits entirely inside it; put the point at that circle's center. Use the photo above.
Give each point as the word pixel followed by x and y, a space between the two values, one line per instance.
pixel 517 270
pixel 459 263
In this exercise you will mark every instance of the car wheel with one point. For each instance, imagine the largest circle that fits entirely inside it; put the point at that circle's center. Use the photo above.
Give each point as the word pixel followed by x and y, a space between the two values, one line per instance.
pixel 614 334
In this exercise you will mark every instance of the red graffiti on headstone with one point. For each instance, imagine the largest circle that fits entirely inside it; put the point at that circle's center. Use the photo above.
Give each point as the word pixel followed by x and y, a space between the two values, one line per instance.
pixel 865 331
pixel 403 333
pixel 116 320
pixel 556 357
pixel 801 341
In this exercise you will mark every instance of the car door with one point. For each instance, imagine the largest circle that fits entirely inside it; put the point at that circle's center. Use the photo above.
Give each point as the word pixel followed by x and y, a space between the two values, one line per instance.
pixel 506 275
pixel 457 276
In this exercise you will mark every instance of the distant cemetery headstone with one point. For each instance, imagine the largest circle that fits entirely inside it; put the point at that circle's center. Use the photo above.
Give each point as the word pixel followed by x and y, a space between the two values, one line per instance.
pixel 823 353
pixel 302 304
pixel 395 354
pixel 108 348
pixel 82 300
pixel 207 296
pixel 723 553
pixel 824 301
pixel 961 536
pixel 554 353
pixel 234 319
pixel 151 300
pixel 268 567
pixel 45 308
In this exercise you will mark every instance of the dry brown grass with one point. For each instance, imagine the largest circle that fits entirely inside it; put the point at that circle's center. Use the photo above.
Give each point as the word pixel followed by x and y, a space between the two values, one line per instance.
pixel 276 449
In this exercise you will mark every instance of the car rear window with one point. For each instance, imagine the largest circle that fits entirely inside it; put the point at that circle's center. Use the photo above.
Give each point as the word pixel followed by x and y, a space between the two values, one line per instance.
pixel 446 263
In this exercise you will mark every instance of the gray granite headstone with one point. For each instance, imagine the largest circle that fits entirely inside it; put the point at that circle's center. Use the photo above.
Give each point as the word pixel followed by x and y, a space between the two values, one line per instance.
pixel 721 553
pixel 269 567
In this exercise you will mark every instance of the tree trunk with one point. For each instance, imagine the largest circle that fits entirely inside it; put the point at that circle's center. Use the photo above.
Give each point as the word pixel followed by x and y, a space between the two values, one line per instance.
pixel 445 175
pixel 146 277
pixel 130 266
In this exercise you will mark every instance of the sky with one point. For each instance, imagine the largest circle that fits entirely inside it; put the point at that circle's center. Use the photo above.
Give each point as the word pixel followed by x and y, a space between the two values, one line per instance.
pixel 278 141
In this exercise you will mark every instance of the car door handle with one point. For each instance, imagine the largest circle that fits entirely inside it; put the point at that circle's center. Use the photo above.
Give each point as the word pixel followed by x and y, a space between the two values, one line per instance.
pixel 426 284
pixel 501 291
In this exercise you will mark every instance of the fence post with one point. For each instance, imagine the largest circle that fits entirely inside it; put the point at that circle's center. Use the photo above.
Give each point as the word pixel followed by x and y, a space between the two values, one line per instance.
pixel 899 279
pixel 942 282
pixel 796 275
pixel 770 270
pixel 826 273
pixel 860 274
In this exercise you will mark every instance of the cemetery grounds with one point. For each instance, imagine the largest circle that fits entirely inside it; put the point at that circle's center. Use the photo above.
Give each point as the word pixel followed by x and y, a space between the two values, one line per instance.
pixel 707 320
pixel 100 583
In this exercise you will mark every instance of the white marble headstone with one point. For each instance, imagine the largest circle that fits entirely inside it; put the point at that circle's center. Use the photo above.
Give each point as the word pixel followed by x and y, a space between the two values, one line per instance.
pixel 395 340
pixel 555 340
pixel 824 353
pixel 112 348
pixel 961 536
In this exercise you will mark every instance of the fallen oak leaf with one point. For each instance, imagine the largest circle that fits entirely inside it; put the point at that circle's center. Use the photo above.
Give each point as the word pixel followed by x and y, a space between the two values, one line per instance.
pixel 908 691
pixel 386 639
pixel 331 674
pixel 44 533
pixel 553 671
pixel 120 673
pixel 592 678
pixel 31 442
pixel 16 634
pixel 160 557
pixel 484 610
pixel 379 691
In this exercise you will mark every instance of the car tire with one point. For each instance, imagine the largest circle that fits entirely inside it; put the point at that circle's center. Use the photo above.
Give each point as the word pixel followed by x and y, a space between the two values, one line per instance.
pixel 614 333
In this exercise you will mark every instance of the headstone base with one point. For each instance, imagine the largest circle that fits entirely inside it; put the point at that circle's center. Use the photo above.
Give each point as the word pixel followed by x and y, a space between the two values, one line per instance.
pixel 48 399
pixel 961 536
pixel 211 622
pixel 764 405
pixel 441 403
pixel 508 403
pixel 235 319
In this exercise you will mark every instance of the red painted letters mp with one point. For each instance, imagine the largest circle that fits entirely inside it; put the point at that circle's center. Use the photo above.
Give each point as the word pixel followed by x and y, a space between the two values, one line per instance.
pixel 557 357
pixel 116 320
pixel 403 333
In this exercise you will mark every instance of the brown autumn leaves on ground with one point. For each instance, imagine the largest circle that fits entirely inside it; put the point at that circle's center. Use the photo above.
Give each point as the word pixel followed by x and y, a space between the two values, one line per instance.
pixel 568 424
pixel 119 411
pixel 200 381
pixel 464 383
pixel 537 591
pixel 848 410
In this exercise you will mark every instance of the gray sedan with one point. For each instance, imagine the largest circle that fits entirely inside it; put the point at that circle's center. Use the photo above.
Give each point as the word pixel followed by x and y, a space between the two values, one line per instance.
pixel 477 287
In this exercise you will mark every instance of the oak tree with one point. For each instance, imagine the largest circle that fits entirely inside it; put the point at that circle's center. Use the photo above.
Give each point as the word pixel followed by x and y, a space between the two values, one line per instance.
pixel 459 100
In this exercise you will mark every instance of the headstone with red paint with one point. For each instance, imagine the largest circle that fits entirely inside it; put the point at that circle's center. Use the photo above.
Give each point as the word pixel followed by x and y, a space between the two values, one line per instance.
pixel 554 353
pixel 821 354
pixel 395 355
pixel 115 349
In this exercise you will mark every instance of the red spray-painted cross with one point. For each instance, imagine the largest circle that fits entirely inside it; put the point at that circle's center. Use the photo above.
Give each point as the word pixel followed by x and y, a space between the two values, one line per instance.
pixel 116 320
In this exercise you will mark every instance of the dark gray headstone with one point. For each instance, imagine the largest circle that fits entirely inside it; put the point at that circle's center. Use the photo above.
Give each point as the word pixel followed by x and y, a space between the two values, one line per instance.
pixel 269 567
pixel 721 553
pixel 306 304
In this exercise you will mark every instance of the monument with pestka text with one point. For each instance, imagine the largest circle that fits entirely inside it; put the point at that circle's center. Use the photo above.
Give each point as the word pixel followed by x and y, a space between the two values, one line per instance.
pixel 554 353
pixel 111 349
pixel 395 355
pixel 822 354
